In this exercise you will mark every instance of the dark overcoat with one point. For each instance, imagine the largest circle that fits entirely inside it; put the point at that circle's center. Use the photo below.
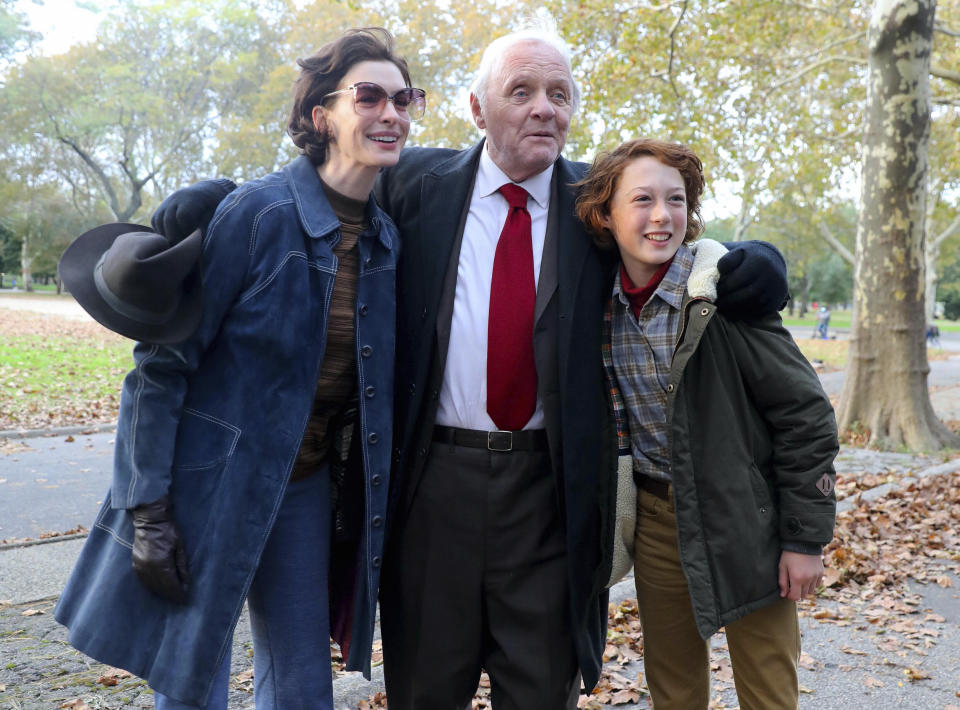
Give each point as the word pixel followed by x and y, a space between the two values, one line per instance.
pixel 427 195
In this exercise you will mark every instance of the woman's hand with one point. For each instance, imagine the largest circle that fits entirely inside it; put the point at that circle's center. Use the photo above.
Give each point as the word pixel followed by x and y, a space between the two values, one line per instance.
pixel 159 558
pixel 800 574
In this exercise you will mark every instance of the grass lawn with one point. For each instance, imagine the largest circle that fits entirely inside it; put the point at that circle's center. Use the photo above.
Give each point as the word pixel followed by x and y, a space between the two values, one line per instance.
pixel 841 319
pixel 58 372
pixel 833 353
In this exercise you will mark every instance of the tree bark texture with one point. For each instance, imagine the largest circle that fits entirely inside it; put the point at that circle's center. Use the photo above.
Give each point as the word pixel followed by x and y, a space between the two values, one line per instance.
pixel 885 389
pixel 26 264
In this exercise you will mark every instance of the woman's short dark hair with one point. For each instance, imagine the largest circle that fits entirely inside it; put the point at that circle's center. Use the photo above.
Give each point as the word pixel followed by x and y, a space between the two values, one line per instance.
pixel 320 74
pixel 600 183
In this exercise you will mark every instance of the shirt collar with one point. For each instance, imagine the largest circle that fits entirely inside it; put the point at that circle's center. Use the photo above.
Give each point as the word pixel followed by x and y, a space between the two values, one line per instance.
pixel 674 284
pixel 490 177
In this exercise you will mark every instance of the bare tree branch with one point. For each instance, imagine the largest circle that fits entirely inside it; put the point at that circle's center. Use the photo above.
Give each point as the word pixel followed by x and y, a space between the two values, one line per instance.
pixel 673 47
pixel 945 74
pixel 836 43
pixel 813 67
pixel 943 29
pixel 952 100
pixel 952 228
pixel 836 243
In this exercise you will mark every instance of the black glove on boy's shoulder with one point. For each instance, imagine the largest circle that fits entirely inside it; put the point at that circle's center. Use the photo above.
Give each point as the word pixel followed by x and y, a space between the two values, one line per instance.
pixel 753 280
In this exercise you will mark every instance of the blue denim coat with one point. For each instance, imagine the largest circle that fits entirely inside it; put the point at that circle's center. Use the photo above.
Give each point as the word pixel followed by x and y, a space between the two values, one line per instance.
pixel 217 421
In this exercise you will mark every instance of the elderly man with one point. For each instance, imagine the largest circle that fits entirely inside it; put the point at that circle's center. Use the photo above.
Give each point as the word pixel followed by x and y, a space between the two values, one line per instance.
pixel 505 450
pixel 504 436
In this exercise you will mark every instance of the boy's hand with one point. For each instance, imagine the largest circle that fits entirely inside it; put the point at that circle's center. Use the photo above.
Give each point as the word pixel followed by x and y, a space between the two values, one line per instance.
pixel 800 574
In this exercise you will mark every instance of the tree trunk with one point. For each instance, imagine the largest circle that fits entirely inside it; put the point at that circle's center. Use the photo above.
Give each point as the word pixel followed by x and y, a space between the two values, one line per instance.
pixel 26 264
pixel 885 389
pixel 931 255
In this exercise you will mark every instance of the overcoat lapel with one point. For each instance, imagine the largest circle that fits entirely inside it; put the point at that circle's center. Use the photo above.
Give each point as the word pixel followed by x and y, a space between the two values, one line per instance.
pixel 444 194
pixel 444 197
pixel 573 249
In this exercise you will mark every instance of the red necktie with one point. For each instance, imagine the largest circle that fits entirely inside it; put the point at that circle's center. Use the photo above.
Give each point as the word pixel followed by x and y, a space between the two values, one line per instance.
pixel 511 371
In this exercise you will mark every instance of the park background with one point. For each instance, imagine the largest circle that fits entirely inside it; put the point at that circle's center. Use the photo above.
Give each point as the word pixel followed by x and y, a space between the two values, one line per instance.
pixel 827 127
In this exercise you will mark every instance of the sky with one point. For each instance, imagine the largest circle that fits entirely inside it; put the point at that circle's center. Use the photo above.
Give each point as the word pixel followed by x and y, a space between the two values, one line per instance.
pixel 62 23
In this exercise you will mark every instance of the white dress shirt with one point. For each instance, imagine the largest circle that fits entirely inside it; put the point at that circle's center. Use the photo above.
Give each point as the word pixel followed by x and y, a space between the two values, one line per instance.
pixel 463 395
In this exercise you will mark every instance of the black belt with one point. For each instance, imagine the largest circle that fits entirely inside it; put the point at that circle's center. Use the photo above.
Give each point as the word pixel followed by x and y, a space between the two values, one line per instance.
pixel 501 441
pixel 654 486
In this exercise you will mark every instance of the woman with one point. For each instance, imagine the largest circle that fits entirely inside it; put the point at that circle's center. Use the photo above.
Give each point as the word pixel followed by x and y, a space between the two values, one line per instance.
pixel 252 459
pixel 731 435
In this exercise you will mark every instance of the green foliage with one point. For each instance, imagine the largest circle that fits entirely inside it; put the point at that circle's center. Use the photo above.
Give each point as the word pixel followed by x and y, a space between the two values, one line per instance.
pixel 9 249
pixel 831 280
pixel 14 32
pixel 140 106
pixel 951 302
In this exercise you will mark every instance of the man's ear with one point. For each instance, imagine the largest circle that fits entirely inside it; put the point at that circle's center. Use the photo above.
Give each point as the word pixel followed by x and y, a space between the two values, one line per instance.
pixel 477 112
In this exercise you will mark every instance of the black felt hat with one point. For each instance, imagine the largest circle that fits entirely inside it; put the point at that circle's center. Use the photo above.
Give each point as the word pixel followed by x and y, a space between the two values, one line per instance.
pixel 135 282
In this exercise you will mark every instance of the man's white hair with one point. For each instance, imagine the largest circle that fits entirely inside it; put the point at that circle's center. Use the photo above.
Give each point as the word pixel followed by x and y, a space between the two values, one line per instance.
pixel 540 28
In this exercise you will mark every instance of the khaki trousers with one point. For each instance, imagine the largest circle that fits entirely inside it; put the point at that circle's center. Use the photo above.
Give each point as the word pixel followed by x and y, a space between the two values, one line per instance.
pixel 764 645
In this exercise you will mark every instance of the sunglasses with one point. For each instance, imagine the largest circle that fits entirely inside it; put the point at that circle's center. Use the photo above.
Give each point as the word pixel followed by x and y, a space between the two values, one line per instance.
pixel 370 98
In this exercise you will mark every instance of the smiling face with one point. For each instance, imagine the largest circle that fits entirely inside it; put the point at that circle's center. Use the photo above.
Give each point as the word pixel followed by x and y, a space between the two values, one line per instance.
pixel 527 110
pixel 362 144
pixel 647 216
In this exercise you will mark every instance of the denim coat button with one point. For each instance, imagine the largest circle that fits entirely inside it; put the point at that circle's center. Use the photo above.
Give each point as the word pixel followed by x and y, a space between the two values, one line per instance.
pixel 375 561
pixel 370 391
pixel 377 521
pixel 366 351
pixel 364 309
pixel 375 479
pixel 372 437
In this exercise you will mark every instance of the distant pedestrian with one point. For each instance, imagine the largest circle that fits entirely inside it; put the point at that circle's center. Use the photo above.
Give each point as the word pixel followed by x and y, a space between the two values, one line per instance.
pixel 731 435
pixel 933 335
pixel 823 323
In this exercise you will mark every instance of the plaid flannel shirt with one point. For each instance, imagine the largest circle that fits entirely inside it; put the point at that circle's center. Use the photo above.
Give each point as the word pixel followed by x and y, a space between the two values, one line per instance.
pixel 637 356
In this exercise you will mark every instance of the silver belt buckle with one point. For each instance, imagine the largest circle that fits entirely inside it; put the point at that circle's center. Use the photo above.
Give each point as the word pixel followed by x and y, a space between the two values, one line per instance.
pixel 499 440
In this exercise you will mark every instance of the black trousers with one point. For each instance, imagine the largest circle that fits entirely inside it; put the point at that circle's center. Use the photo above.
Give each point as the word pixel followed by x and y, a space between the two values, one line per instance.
pixel 477 579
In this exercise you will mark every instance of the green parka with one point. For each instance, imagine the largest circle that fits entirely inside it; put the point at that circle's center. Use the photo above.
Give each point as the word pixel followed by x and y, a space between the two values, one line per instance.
pixel 752 441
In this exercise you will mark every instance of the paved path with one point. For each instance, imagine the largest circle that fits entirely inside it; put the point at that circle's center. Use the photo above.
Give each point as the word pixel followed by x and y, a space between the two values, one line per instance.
pixel 43 303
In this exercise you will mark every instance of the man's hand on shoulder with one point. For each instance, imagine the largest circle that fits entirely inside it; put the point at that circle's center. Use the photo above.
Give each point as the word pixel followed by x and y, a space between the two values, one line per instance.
pixel 190 208
pixel 753 280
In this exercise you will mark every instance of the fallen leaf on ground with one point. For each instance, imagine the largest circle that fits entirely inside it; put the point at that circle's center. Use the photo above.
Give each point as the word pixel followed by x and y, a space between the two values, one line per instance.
pixel 113 676
pixel 31 612
pixel 915 674
pixel 854 651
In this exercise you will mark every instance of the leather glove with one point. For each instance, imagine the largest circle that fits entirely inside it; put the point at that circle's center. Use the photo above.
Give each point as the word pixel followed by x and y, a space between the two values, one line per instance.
pixel 753 280
pixel 190 208
pixel 159 557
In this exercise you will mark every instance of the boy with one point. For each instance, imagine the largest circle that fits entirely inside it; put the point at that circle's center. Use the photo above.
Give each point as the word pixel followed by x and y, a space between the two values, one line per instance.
pixel 731 435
